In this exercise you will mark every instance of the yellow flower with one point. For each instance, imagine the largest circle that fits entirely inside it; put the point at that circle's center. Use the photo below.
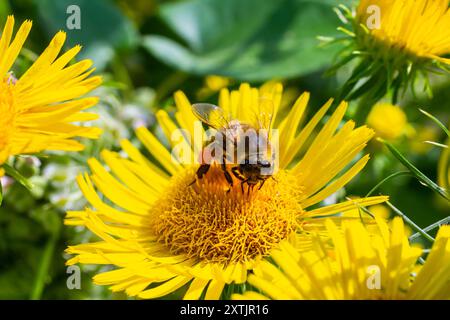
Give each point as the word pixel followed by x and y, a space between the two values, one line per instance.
pixel 395 42
pixel 388 121
pixel 38 108
pixel 419 29
pixel 362 265
pixel 162 234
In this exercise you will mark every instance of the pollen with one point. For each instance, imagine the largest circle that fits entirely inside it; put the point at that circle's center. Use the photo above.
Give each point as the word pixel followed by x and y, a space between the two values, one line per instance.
pixel 205 222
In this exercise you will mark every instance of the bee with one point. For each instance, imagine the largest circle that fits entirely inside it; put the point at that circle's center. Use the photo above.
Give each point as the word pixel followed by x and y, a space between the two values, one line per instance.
pixel 243 148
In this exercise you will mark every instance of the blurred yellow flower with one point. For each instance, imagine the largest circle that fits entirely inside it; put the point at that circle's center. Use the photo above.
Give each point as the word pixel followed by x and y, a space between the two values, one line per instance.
pixel 388 121
pixel 417 138
pixel 360 266
pixel 38 108
pixel 380 211
pixel 213 84
pixel 162 234
pixel 138 10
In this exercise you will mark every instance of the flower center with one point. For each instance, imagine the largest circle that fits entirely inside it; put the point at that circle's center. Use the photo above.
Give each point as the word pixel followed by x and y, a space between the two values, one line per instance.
pixel 7 112
pixel 206 222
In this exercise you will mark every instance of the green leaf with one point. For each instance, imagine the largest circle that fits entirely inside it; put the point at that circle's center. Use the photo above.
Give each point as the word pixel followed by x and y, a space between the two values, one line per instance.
pixel 103 27
pixel 416 172
pixel 247 40
pixel 16 175
pixel 4 10
pixel 44 265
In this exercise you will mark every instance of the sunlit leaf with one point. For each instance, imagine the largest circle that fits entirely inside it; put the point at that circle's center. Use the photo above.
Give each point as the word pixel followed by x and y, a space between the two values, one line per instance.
pixel 247 40
pixel 103 27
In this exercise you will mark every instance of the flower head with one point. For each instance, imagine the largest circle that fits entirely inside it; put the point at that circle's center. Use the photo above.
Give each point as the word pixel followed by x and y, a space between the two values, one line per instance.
pixel 162 232
pixel 360 265
pixel 38 107
pixel 418 29
pixel 396 41
pixel 388 121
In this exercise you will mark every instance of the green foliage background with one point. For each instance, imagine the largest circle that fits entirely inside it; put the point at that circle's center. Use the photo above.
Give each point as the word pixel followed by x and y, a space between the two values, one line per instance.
pixel 148 49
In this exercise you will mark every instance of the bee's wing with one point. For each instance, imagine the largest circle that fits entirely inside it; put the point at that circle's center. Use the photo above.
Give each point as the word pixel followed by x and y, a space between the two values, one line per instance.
pixel 210 114
pixel 263 114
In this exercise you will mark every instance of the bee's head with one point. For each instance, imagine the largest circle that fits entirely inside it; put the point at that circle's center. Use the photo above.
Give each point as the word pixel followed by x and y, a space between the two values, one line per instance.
pixel 264 163
pixel 259 163
pixel 256 170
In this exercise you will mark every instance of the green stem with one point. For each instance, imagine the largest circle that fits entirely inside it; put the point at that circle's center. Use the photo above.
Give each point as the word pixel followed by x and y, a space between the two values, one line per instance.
pixel 431 227
pixel 168 85
pixel 28 54
pixel 17 176
pixel 365 104
pixel 122 75
pixel 436 120
pixel 410 222
pixel 396 174
pixel 42 273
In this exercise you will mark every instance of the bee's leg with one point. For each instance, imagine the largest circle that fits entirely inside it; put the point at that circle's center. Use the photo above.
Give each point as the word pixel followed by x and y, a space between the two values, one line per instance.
pixel 237 174
pixel 227 176
pixel 242 185
pixel 201 171
pixel 262 183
